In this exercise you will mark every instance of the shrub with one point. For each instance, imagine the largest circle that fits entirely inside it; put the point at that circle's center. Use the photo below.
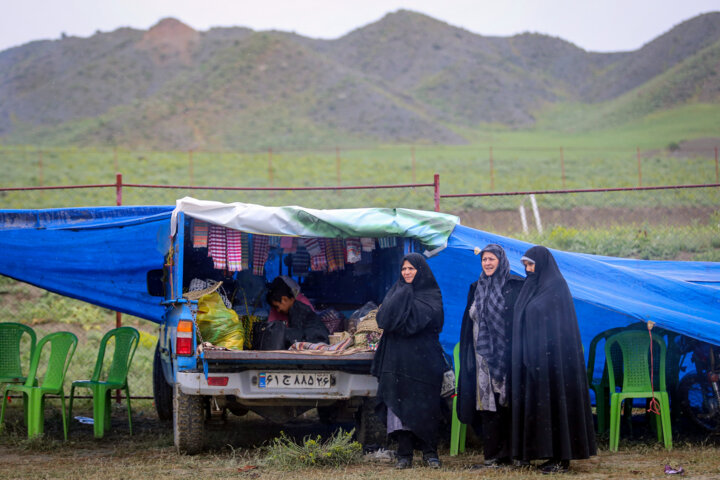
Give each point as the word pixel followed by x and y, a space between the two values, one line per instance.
pixel 338 450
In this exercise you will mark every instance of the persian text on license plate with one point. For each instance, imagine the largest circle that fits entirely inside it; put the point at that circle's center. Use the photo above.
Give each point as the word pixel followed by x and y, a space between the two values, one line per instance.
pixel 293 380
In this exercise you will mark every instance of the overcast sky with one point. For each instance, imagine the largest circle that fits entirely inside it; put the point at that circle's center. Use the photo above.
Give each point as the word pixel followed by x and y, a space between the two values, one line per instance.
pixel 595 25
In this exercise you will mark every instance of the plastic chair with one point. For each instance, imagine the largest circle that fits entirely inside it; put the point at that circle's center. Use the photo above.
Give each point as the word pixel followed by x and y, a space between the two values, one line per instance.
pixel 458 430
pixel 636 383
pixel 62 348
pixel 600 385
pixel 11 335
pixel 126 341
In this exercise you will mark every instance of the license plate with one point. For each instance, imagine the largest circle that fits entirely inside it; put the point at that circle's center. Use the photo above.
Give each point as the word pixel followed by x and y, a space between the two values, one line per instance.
pixel 293 380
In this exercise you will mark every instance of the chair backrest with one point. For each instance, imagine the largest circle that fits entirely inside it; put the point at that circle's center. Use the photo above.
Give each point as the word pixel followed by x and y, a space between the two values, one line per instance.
pixel 634 346
pixel 62 347
pixel 126 341
pixel 11 334
pixel 593 348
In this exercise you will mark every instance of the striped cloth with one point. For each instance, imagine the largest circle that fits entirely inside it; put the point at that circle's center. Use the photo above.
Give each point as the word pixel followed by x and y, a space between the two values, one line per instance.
pixel 301 262
pixel 234 250
pixel 217 246
pixel 387 242
pixel 199 234
pixel 261 248
pixel 245 245
pixel 335 252
pixel 288 244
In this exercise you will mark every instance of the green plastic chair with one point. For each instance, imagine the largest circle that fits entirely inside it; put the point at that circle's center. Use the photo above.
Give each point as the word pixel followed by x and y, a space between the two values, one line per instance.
pixel 635 346
pixel 126 341
pixel 458 430
pixel 62 347
pixel 11 335
pixel 600 385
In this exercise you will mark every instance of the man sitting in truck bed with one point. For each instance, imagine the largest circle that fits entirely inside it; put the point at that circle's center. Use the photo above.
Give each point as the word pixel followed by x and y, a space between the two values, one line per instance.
pixel 304 325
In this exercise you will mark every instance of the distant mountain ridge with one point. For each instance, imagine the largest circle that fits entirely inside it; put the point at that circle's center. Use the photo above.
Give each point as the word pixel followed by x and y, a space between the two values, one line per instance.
pixel 404 78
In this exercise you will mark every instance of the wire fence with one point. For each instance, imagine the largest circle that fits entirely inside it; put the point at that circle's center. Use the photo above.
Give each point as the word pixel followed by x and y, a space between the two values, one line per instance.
pixel 519 211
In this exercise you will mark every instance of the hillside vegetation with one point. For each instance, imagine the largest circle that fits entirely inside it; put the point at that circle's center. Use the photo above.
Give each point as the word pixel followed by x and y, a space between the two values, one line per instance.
pixel 406 78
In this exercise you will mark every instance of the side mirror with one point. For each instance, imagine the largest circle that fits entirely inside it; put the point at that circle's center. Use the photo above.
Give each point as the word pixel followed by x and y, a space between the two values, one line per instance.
pixel 155 283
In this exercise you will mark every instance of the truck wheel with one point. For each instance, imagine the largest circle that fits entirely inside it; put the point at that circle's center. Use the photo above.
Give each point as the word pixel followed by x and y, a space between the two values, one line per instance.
pixel 188 422
pixel 162 391
pixel 369 429
pixel 328 415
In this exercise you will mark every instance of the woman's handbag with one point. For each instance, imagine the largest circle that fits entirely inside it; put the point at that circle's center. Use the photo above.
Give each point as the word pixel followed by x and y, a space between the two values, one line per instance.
pixel 448 384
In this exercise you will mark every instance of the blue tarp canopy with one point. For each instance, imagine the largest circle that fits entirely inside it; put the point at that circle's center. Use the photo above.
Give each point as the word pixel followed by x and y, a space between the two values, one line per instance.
pixel 102 256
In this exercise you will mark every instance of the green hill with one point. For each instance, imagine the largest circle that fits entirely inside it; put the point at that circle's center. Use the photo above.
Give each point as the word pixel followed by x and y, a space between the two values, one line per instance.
pixel 407 78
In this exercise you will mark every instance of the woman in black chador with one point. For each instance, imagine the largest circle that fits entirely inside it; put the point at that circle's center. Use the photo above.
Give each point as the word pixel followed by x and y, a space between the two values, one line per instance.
pixel 483 382
pixel 551 414
pixel 409 361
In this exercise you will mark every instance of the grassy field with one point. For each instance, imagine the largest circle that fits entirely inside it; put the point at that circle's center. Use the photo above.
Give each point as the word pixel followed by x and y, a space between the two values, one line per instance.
pixel 521 161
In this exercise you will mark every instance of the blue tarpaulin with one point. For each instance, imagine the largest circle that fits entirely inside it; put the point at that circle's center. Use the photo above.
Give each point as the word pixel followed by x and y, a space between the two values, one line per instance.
pixel 102 255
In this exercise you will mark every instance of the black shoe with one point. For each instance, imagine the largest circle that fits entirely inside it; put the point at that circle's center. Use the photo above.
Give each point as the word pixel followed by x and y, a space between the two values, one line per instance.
pixel 520 463
pixel 403 463
pixel 554 466
pixel 492 463
pixel 432 462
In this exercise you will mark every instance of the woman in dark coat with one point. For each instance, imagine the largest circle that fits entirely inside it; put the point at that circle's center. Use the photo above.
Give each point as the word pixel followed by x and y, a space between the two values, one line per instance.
pixel 483 399
pixel 551 413
pixel 409 363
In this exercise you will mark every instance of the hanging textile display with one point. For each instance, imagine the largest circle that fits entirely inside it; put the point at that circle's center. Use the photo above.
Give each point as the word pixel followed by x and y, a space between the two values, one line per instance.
pixel 318 258
pixel 261 248
pixel 245 247
pixel 234 250
pixel 368 244
pixel 217 246
pixel 335 251
pixel 353 250
pixel 199 234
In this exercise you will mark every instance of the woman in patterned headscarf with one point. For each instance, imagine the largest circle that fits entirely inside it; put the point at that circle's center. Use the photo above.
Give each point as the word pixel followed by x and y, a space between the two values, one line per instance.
pixel 483 381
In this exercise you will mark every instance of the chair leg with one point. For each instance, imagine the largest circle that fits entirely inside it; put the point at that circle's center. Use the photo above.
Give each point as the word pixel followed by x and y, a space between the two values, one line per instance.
pixel 2 410
pixel 72 396
pixel 99 403
pixel 64 417
pixel 458 432
pixel 129 409
pixel 666 422
pixel 36 414
pixel 615 404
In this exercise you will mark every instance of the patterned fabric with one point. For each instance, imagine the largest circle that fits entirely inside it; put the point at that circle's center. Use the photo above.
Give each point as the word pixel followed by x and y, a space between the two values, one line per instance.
pixel 318 257
pixel 387 242
pixel 301 262
pixel 353 250
pixel 486 313
pixel 261 248
pixel 234 250
pixel 274 241
pixel 288 244
pixel 245 246
pixel 199 234
pixel 332 319
pixel 313 246
pixel 338 347
pixel 217 246
pixel 368 244
pixel 335 254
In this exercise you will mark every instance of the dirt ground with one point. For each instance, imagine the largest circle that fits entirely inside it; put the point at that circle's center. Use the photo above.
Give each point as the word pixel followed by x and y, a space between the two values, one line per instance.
pixel 235 450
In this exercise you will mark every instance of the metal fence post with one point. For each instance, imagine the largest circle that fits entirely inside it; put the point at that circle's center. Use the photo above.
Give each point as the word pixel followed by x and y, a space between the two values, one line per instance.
pixel 118 189
pixel 436 186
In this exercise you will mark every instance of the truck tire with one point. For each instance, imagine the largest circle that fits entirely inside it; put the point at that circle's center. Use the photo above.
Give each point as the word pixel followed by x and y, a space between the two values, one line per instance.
pixel 188 422
pixel 369 429
pixel 162 391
